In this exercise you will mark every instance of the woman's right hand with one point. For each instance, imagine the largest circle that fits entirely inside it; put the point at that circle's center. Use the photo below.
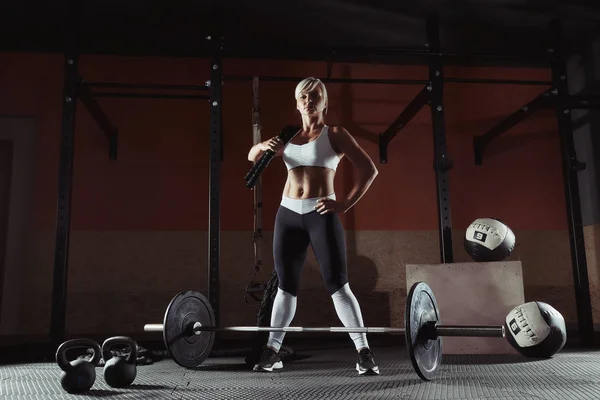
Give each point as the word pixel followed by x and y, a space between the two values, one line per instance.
pixel 274 144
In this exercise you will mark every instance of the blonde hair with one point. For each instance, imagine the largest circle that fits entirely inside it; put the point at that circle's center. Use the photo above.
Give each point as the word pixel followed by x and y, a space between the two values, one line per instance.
pixel 308 84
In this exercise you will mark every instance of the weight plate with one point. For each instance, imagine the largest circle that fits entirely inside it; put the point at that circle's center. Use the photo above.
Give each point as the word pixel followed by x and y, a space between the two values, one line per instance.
pixel 421 313
pixel 188 349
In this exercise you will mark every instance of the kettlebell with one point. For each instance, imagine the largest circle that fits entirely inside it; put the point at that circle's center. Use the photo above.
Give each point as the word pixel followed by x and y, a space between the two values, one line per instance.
pixel 119 371
pixel 78 375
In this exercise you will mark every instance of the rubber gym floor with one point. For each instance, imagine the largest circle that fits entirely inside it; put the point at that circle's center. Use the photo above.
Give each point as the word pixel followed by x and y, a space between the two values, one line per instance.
pixel 326 371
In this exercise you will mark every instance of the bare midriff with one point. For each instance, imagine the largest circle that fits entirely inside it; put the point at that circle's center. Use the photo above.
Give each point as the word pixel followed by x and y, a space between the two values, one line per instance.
pixel 308 182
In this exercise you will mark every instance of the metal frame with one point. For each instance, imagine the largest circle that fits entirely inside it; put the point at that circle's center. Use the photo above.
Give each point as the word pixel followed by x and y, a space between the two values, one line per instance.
pixel 111 131
pixel 405 116
pixel 63 216
pixel 482 141
pixel 571 167
pixel 65 177
pixel 557 98
pixel 75 88
pixel 442 163
pixel 432 94
pixel 216 156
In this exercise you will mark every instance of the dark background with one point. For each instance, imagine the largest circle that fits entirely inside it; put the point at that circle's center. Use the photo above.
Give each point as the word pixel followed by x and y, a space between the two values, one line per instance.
pixel 299 28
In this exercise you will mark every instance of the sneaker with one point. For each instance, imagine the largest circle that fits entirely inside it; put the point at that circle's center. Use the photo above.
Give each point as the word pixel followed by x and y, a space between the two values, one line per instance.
pixel 269 360
pixel 366 363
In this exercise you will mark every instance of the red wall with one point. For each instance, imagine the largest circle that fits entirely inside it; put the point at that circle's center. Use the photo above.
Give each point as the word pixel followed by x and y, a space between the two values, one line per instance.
pixel 160 181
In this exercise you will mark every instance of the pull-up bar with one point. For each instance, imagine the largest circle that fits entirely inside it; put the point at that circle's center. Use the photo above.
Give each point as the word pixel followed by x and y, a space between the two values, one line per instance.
pixel 150 96
pixel 390 81
pixel 124 85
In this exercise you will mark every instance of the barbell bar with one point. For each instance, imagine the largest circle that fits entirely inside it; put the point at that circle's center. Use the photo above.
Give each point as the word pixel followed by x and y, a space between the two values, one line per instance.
pixel 439 330
pixel 189 328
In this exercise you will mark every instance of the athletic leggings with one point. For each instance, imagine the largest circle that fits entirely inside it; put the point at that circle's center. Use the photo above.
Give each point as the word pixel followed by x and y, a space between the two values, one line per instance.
pixel 298 225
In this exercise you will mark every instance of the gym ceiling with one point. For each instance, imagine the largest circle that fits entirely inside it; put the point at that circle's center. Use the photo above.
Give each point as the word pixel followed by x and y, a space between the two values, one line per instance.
pixel 307 29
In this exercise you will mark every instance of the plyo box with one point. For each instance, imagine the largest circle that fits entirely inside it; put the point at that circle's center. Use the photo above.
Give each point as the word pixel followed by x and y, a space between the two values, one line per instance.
pixel 472 294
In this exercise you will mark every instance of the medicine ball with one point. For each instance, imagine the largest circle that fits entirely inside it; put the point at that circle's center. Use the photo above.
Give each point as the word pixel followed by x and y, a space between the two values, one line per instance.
pixel 488 239
pixel 536 329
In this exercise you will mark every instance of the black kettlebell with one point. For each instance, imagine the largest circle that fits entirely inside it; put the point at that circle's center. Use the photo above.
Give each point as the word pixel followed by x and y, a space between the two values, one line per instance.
pixel 119 371
pixel 78 375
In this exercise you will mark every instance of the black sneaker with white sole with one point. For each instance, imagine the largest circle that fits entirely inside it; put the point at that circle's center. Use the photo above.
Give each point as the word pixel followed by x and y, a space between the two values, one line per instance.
pixel 269 360
pixel 366 363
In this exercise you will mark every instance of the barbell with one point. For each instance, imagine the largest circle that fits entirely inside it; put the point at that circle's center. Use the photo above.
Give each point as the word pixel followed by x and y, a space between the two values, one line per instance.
pixel 189 324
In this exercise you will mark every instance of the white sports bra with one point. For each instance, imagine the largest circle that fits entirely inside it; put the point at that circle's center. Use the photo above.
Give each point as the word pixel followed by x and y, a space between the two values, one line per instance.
pixel 316 153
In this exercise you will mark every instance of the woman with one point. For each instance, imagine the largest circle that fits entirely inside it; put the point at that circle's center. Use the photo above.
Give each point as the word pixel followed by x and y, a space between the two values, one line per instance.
pixel 308 214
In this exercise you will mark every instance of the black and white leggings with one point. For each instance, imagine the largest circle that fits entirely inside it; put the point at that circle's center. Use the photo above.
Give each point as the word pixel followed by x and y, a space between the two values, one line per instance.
pixel 297 225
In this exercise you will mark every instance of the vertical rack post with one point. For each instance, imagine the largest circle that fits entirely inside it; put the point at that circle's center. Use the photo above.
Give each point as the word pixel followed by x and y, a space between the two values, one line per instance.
pixel 65 178
pixel 571 167
pixel 441 162
pixel 216 153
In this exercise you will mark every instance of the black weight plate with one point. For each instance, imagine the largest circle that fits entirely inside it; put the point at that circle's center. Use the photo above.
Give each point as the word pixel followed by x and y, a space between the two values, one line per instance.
pixel 188 349
pixel 425 353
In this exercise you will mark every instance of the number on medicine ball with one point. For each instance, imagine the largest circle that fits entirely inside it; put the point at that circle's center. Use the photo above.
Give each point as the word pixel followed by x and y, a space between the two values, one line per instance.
pixel 479 236
pixel 514 327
